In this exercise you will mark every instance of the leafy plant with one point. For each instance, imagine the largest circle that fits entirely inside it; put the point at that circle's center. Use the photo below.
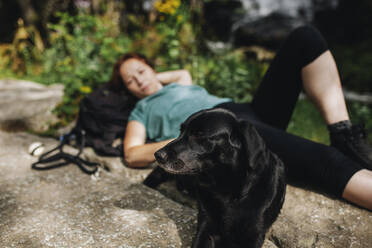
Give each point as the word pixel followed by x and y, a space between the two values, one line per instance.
pixel 23 54
pixel 84 48
pixel 81 56
pixel 171 35
pixel 362 113
pixel 354 62
pixel 228 75
pixel 174 45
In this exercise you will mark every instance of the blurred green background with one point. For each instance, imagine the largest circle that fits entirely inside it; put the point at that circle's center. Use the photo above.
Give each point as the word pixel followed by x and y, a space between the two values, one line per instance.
pixel 76 43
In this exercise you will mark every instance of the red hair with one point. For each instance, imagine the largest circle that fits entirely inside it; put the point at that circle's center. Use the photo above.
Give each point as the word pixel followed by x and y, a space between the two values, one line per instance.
pixel 116 82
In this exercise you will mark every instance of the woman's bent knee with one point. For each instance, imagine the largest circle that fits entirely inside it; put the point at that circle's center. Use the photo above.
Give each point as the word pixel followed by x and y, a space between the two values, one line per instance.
pixel 309 42
pixel 358 190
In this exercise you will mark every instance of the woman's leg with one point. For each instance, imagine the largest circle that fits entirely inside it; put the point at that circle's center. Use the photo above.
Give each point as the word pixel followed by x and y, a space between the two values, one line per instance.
pixel 304 61
pixel 319 166
pixel 312 164
pixel 276 97
pixel 358 189
pixel 322 85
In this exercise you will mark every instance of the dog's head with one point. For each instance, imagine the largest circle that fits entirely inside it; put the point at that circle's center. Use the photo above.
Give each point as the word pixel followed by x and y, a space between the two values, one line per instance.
pixel 211 139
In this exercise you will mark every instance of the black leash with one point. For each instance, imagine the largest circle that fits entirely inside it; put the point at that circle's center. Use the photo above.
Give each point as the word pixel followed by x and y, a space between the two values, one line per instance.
pixel 66 158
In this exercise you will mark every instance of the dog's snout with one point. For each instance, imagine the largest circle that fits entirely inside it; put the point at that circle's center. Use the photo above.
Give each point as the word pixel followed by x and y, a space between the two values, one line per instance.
pixel 161 156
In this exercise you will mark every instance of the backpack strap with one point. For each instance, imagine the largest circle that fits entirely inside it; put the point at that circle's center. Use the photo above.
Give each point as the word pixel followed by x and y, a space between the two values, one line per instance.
pixel 64 158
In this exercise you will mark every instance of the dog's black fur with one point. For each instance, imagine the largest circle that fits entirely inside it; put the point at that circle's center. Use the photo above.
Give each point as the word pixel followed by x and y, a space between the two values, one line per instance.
pixel 240 184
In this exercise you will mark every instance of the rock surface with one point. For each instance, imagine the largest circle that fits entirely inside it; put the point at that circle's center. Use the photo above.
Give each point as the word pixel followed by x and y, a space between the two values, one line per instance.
pixel 27 105
pixel 65 208
pixel 309 220
pixel 264 22
pixel 312 220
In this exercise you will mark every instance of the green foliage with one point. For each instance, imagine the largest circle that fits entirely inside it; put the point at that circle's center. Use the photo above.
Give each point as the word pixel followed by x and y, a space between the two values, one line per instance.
pixel 83 49
pixel 228 75
pixel 308 123
pixel 174 45
pixel 81 57
pixel 362 113
pixel 172 38
pixel 354 62
pixel 22 55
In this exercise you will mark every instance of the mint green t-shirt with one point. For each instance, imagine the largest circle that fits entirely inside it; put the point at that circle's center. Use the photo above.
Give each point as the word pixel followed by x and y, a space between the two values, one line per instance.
pixel 163 112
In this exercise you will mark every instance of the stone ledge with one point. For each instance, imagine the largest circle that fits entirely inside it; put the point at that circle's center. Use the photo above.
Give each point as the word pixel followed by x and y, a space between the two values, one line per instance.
pixel 27 105
pixel 65 208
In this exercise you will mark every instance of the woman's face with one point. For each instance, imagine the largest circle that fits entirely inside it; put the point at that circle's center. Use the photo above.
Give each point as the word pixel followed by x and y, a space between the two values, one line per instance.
pixel 139 78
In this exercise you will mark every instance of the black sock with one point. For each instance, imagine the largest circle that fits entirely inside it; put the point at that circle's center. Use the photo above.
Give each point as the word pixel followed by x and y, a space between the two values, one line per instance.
pixel 339 126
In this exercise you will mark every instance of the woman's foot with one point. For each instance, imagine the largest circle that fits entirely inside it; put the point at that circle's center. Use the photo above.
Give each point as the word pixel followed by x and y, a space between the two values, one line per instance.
pixel 351 140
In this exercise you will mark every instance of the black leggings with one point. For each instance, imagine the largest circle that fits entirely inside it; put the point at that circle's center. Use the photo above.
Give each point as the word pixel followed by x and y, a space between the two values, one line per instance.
pixel 307 163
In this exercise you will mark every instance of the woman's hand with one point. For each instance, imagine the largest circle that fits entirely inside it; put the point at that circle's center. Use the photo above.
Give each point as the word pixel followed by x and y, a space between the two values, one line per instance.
pixel 178 76
pixel 137 153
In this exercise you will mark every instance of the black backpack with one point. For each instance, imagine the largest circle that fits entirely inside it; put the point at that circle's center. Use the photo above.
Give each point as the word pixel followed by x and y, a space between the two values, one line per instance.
pixel 102 118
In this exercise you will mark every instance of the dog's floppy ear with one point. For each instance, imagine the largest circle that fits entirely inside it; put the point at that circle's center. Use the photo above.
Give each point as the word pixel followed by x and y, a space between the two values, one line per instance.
pixel 235 139
pixel 253 146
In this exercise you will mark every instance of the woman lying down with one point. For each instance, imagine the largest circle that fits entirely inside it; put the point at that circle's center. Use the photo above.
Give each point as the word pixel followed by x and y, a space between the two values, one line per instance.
pixel 165 100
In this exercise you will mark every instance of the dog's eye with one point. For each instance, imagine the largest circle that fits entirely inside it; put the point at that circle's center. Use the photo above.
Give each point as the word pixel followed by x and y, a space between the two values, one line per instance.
pixel 198 134
pixel 218 137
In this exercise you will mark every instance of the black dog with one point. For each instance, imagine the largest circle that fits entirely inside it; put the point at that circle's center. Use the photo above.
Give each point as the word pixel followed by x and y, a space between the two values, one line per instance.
pixel 240 184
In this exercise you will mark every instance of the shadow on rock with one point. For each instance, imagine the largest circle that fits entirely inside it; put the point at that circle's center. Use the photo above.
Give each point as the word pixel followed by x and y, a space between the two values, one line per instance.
pixel 143 199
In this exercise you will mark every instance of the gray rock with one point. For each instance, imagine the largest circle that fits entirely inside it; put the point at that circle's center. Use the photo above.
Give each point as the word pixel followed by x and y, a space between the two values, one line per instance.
pixel 65 208
pixel 301 11
pixel 312 220
pixel 27 105
pixel 264 22
pixel 308 220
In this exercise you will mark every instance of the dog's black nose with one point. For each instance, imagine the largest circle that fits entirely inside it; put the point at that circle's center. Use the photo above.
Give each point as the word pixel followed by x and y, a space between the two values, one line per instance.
pixel 161 156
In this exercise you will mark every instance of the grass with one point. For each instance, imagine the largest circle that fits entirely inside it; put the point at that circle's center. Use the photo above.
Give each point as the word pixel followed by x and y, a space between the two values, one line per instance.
pixel 308 123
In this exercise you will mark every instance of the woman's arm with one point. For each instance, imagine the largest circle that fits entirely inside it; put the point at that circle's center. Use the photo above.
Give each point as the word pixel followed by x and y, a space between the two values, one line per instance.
pixel 137 153
pixel 179 76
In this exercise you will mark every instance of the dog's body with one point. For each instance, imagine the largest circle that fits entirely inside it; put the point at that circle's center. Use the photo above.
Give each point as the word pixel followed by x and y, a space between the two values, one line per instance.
pixel 240 184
